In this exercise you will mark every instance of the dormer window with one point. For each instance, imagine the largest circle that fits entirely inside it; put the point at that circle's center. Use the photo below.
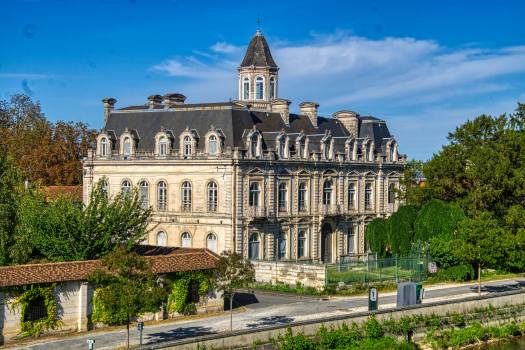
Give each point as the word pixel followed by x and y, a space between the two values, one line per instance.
pixel 255 141
pixel 127 146
pixel 213 145
pixel 259 88
pixel 368 156
pixel 272 88
pixel 302 148
pixel 282 147
pixel 392 152
pixel 351 151
pixel 104 150
pixel 163 146
pixel 246 88
pixel 187 146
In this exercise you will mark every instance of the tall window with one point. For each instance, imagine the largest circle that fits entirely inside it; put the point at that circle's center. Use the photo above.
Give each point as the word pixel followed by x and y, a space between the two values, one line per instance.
pixel 186 240
pixel 186 196
pixel 392 155
pixel 392 194
pixel 126 188
pixel 327 149
pixel 351 241
pixel 255 193
pixel 351 196
pixel 259 88
pixel 213 145
pixel 301 245
pixel 212 197
pixel 163 146
pixel 246 88
pixel 211 242
pixel 327 193
pixel 144 194
pixel 105 188
pixel 187 146
pixel 272 88
pixel 255 140
pixel 368 156
pixel 127 146
pixel 161 196
pixel 302 148
pixel 283 197
pixel 281 249
pixel 253 248
pixel 368 196
pixel 104 144
pixel 303 202
pixel 282 147
pixel 351 151
pixel 161 239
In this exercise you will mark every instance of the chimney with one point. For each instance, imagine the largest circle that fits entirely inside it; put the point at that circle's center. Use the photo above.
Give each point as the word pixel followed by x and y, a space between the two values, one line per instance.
pixel 280 105
pixel 154 100
pixel 349 120
pixel 109 105
pixel 173 99
pixel 310 109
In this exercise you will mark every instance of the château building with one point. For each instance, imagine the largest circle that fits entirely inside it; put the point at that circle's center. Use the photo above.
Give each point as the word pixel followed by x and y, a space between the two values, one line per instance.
pixel 248 175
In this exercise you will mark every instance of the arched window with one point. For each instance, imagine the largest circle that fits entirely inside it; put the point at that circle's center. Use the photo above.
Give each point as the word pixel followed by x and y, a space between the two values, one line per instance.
pixel 272 88
pixel 105 188
pixel 368 196
pixel 281 248
pixel 302 148
pixel 327 149
pixel 161 196
pixel 255 193
pixel 126 188
pixel 186 240
pixel 127 146
pixel 255 140
pixel 246 88
pixel 187 146
pixel 259 88
pixel 104 147
pixel 303 198
pixel 161 239
pixel 213 145
pixel 186 196
pixel 144 194
pixel 351 196
pixel 392 194
pixel 282 147
pixel 211 242
pixel 253 249
pixel 283 198
pixel 351 151
pixel 163 146
pixel 392 155
pixel 351 241
pixel 368 156
pixel 212 197
pixel 327 193
pixel 301 245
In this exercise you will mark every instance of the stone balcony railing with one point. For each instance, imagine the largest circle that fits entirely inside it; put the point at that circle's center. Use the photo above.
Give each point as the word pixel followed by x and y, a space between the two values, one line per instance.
pixel 329 209
pixel 256 211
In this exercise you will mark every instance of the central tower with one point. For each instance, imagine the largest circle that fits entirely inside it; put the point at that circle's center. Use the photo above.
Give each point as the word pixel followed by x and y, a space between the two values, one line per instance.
pixel 258 74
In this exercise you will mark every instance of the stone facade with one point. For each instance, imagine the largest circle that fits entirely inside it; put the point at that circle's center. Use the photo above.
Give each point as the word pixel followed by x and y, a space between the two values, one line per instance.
pixel 310 275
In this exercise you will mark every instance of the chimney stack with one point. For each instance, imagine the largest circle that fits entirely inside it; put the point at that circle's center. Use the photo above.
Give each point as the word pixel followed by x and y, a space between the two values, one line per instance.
pixel 280 105
pixel 349 121
pixel 310 109
pixel 173 99
pixel 109 105
pixel 154 100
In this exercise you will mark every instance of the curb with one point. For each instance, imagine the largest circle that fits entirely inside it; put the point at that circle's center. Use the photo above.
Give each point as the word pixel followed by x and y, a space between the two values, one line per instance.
pixel 284 294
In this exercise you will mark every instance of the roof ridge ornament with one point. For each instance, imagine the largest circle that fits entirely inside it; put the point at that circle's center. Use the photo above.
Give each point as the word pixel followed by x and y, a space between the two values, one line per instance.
pixel 187 128
pixel 126 130
pixel 213 128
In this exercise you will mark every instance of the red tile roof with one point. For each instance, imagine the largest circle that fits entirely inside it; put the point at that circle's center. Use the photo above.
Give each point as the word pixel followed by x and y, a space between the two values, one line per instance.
pixel 70 191
pixel 181 259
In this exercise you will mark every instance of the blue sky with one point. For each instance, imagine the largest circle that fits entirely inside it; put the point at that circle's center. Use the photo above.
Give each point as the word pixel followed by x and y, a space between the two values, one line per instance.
pixel 423 66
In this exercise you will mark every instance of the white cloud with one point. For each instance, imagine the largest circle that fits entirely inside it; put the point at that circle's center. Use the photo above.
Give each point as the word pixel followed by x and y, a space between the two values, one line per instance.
pixel 225 48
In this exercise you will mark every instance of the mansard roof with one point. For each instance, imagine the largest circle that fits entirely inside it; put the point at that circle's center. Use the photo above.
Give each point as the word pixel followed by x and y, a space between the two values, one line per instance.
pixel 258 53
pixel 235 123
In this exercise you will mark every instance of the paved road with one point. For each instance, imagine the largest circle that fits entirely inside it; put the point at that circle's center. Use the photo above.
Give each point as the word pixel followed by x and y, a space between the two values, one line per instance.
pixel 261 310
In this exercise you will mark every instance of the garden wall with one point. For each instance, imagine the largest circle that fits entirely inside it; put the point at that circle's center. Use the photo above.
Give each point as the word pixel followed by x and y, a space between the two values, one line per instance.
pixel 272 271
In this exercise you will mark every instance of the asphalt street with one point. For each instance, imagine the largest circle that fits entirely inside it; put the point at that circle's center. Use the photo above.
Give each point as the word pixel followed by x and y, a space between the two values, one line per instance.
pixel 261 310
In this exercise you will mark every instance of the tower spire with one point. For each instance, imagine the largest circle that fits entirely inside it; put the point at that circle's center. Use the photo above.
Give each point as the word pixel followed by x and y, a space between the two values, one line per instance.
pixel 258 22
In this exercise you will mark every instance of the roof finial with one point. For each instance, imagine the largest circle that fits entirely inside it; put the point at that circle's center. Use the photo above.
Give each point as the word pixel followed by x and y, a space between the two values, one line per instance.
pixel 258 22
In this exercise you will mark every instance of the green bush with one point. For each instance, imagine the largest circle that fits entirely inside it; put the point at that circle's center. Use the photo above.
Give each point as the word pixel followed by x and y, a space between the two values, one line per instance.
pixel 401 230
pixel 464 272
pixel 377 235
pixel 437 220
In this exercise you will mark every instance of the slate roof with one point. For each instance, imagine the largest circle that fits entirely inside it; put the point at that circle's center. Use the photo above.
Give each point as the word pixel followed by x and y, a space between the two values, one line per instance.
pixel 167 259
pixel 234 123
pixel 258 53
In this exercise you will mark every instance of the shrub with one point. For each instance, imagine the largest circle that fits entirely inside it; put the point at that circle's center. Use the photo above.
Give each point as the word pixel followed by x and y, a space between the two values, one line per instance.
pixel 377 235
pixel 437 220
pixel 401 230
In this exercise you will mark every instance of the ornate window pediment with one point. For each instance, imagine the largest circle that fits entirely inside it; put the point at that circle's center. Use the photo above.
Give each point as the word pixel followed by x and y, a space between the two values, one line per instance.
pixel 214 141
pixel 188 142
pixel 283 144
pixel 254 142
pixel 163 142
pixel 128 141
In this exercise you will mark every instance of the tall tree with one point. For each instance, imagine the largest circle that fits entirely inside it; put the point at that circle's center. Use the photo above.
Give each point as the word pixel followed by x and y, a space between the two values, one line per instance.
pixel 125 282
pixel 233 272
pixel 377 235
pixel 401 230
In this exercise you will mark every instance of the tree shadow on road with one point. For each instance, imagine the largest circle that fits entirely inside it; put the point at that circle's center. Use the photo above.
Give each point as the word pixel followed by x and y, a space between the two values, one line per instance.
pixel 177 333
pixel 500 288
pixel 270 321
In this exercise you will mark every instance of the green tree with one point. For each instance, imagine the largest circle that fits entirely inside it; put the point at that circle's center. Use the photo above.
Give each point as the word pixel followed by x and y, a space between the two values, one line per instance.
pixel 417 165
pixel 233 272
pixel 437 219
pixel 377 235
pixel 481 243
pixel 401 230
pixel 125 282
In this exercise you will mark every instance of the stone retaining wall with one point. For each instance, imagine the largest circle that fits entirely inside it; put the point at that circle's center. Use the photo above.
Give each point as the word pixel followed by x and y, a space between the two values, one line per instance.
pixel 290 273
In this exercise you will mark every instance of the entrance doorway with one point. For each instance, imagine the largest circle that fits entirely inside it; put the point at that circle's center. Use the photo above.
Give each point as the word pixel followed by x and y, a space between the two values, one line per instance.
pixel 326 243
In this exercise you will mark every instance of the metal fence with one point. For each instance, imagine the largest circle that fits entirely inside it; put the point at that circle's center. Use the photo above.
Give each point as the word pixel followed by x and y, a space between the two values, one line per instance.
pixel 398 269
